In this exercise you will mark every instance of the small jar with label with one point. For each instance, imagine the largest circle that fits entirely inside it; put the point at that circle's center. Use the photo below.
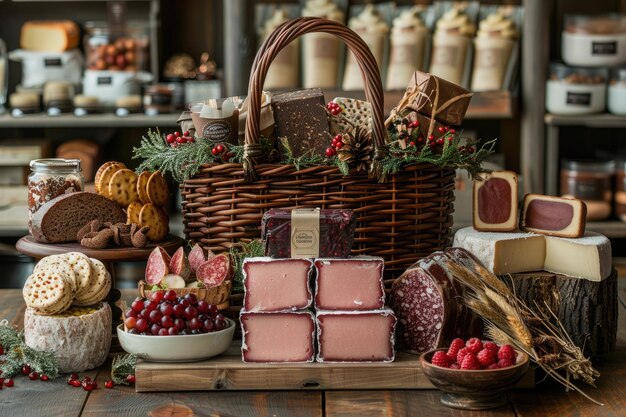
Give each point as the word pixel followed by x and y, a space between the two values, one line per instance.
pixel 592 182
pixel 572 90
pixel 85 105
pixel 50 178
pixel 158 99
pixel 128 105
pixel 58 97
pixel 24 103
pixel 594 40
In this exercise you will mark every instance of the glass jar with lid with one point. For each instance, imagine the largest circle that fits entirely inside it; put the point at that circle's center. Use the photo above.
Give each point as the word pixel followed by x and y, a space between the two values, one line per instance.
pixel 50 178
pixel 594 40
pixel 127 49
pixel 575 90
pixel 590 181
pixel 616 101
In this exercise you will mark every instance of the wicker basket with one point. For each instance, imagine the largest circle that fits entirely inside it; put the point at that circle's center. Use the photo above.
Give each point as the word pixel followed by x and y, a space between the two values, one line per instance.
pixel 218 295
pixel 407 217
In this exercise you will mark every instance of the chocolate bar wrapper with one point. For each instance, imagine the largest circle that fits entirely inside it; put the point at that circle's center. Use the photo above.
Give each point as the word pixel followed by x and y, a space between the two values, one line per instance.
pixel 421 96
pixel 332 231
pixel 301 118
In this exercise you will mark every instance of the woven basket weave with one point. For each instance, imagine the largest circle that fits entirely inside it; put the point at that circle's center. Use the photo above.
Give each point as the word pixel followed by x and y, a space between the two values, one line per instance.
pixel 403 219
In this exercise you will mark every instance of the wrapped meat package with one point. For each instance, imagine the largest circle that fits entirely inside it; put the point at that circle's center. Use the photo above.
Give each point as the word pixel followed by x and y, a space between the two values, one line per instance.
pixel 308 233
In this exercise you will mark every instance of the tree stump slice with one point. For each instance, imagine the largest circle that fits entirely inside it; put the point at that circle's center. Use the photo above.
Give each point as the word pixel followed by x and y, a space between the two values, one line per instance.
pixel 587 309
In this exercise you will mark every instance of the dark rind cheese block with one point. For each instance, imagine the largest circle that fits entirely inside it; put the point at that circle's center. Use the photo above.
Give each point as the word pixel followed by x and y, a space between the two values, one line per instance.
pixel 587 309
pixel 60 219
pixel 277 337
pixel 350 284
pixel 301 118
pixel 356 336
pixel 494 207
pixel 553 216
pixel 276 284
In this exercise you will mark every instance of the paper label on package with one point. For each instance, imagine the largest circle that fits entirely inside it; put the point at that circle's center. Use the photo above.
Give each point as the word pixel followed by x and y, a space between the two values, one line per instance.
pixel 604 48
pixel 488 57
pixel 305 233
pixel 446 55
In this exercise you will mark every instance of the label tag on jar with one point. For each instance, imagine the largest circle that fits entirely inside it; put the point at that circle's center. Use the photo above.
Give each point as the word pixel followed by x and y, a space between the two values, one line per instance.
pixel 604 48
pixel 578 99
pixel 104 81
pixel 305 233
pixel 52 62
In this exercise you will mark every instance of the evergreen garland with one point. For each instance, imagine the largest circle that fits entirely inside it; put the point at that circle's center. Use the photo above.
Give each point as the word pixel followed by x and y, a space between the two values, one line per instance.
pixel 121 367
pixel 17 354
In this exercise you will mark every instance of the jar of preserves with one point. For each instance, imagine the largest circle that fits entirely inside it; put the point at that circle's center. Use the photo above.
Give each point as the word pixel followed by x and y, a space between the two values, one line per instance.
pixel 50 178
pixel 592 182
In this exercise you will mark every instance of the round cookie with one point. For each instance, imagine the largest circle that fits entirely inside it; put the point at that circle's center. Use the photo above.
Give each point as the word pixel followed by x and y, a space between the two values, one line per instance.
pixel 82 269
pixel 123 187
pixel 100 288
pixel 98 175
pixel 142 186
pixel 56 263
pixel 157 220
pixel 132 212
pixel 158 193
pixel 105 178
pixel 46 291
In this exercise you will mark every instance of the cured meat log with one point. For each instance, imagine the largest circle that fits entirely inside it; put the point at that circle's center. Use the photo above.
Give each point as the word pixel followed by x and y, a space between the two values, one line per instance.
pixel 214 271
pixel 427 302
pixel 158 266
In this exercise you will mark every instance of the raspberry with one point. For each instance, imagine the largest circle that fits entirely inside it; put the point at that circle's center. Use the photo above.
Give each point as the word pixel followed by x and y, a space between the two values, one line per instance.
pixel 504 363
pixel 470 362
pixel 491 346
pixel 461 355
pixel 507 352
pixel 474 345
pixel 486 357
pixel 455 366
pixel 456 345
pixel 440 358
pixel 493 366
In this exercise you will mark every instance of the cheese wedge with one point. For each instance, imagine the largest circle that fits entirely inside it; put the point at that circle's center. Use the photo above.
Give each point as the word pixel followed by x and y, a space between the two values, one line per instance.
pixel 587 257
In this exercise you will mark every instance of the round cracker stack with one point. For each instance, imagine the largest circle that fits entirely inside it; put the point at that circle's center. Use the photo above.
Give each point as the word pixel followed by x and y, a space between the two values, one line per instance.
pixel 48 292
pixel 57 263
pixel 100 287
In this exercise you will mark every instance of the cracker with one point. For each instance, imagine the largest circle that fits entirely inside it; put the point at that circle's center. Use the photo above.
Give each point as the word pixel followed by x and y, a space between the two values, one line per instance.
pixel 123 187
pixel 46 291
pixel 155 218
pixel 158 193
pixel 100 288
pixel 132 212
pixel 57 263
pixel 99 172
pixel 82 269
pixel 105 178
pixel 142 186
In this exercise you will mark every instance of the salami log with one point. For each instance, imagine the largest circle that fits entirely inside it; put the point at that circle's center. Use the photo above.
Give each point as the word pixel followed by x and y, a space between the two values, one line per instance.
pixel 179 264
pixel 196 257
pixel 214 271
pixel 157 266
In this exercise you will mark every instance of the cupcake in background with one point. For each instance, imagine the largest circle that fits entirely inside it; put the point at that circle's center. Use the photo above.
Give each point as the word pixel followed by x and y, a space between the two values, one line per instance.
pixel 408 43
pixel 284 71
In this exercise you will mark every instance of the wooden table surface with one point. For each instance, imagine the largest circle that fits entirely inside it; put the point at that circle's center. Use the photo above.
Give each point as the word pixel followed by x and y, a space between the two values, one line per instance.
pixel 56 398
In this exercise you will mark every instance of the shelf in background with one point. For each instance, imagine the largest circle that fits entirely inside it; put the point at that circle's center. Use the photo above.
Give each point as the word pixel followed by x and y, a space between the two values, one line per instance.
pixel 605 120
pixel 489 105
pixel 96 120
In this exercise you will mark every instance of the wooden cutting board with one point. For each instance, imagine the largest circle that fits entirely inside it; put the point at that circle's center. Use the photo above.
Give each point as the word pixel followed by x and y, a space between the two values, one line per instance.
pixel 228 372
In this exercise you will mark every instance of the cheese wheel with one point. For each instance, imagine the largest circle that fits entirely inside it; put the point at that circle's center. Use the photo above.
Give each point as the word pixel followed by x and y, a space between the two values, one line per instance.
pixel 49 36
pixel 78 342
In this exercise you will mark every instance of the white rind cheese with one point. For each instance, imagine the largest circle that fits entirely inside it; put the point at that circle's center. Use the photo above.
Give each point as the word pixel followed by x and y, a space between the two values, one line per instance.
pixel 504 253
pixel 78 342
pixel 587 257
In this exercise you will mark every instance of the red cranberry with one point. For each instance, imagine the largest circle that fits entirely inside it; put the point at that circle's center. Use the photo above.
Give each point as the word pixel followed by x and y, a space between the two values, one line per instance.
pixel 86 379
pixel 74 375
pixel 89 386
pixel 131 379
pixel 108 384
pixel 181 140
pixel 33 375
pixel 8 383
pixel 44 378
pixel 170 138
pixel 214 151
pixel 75 383
pixel 25 369
pixel 186 133
pixel 177 134
pixel 219 147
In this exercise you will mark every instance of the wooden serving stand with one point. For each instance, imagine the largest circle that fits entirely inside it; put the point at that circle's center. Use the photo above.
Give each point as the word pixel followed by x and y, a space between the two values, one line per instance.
pixel 30 247
pixel 227 372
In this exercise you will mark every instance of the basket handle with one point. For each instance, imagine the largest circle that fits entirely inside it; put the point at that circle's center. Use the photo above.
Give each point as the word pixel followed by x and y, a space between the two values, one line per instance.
pixel 277 40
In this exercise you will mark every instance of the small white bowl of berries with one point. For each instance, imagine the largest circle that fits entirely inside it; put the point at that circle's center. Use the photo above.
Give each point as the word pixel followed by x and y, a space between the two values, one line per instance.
pixel 168 328
pixel 474 374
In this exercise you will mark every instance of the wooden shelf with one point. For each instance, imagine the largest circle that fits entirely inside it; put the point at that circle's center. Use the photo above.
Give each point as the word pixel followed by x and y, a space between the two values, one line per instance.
pixel 96 120
pixel 490 105
pixel 605 120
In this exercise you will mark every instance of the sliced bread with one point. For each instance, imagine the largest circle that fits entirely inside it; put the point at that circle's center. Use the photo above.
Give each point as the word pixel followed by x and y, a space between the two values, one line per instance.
pixel 60 219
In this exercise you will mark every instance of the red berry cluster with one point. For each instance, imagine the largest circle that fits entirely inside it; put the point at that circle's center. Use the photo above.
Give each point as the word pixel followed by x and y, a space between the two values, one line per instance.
pixel 176 138
pixel 87 383
pixel 221 150
pixel 335 144
pixel 166 314
pixel 333 108
pixel 473 354
pixel 9 381
pixel 32 375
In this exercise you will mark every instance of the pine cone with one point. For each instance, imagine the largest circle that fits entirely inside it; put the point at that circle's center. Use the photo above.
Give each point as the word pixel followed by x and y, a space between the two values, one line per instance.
pixel 357 148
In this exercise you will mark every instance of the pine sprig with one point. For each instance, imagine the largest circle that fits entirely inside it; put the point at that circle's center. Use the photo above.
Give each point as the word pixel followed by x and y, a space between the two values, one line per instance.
pixel 121 367
pixel 17 354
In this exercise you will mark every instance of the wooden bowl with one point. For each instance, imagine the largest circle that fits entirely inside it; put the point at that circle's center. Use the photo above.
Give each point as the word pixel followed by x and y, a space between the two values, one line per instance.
pixel 217 295
pixel 474 390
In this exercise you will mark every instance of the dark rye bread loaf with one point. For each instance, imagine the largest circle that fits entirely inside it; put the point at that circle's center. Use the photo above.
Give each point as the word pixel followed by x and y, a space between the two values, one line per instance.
pixel 60 219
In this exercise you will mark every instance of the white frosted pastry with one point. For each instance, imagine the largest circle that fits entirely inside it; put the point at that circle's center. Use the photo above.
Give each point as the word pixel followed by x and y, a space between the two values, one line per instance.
pixel 371 27
pixel 450 44
pixel 283 73
pixel 408 41
pixel 321 50
pixel 493 46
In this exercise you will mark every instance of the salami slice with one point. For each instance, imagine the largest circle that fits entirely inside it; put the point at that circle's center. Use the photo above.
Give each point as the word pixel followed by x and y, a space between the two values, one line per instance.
pixel 158 266
pixel 196 257
pixel 214 271
pixel 179 264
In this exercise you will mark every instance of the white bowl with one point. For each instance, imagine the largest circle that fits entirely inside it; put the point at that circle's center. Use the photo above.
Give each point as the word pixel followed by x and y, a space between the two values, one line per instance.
pixel 180 348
